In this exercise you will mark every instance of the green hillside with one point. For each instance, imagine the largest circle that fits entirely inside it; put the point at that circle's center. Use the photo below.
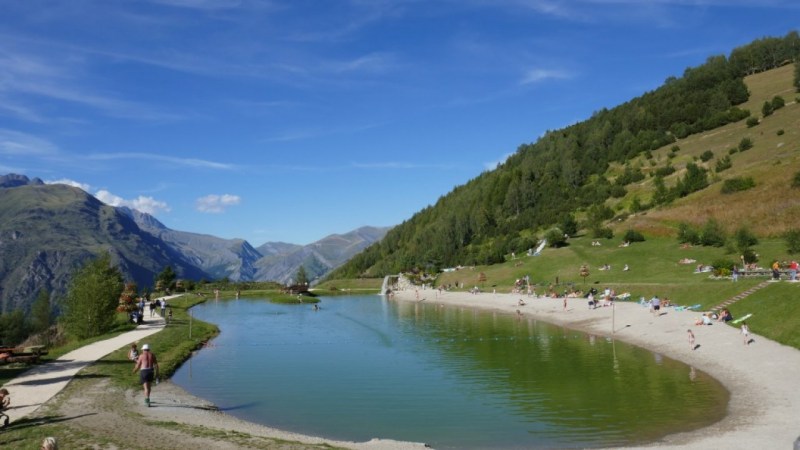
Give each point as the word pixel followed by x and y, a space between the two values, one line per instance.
pixel 649 164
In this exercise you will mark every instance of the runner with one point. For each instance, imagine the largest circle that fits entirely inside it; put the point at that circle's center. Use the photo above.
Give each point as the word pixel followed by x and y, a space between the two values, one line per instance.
pixel 147 364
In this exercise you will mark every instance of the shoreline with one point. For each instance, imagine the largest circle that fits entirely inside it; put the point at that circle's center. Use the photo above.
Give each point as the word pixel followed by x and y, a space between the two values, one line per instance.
pixel 761 377
pixel 761 380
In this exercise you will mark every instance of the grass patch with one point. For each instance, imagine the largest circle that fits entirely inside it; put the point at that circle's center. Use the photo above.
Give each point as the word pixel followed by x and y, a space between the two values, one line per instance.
pixel 172 345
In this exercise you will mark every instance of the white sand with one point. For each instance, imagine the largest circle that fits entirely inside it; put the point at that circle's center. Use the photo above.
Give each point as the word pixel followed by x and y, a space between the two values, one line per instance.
pixel 763 377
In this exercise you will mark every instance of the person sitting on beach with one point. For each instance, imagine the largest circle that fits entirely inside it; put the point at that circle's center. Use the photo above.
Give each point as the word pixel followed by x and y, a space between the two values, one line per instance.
pixel 725 316
pixel 705 319
pixel 521 302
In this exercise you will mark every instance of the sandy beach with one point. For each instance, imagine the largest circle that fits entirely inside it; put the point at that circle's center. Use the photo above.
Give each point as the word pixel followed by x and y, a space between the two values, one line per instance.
pixel 764 408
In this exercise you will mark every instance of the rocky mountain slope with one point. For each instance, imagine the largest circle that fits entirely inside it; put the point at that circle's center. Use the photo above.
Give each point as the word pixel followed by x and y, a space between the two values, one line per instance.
pixel 49 231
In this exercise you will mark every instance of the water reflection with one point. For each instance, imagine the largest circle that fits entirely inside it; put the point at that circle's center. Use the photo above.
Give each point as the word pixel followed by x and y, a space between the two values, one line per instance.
pixel 454 377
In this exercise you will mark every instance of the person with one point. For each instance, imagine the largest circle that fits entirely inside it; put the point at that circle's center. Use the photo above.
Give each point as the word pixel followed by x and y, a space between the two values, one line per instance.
pixel 691 339
pixel 521 302
pixel 591 300
pixel 746 333
pixel 655 305
pixel 5 400
pixel 163 308
pixel 133 353
pixel 49 443
pixel 703 320
pixel 147 364
pixel 735 273
pixel 169 316
pixel 152 307
pixel 725 316
pixel 776 273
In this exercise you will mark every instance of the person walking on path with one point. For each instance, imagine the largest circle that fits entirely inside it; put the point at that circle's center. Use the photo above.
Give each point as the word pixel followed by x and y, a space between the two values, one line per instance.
pixel 691 339
pixel 655 305
pixel 163 308
pixel 746 333
pixel 147 365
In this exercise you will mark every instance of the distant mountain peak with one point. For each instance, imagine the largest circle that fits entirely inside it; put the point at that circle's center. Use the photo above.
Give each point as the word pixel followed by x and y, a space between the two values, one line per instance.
pixel 13 180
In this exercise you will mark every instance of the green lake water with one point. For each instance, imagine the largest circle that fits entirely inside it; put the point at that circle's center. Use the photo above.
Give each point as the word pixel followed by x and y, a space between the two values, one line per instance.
pixel 363 367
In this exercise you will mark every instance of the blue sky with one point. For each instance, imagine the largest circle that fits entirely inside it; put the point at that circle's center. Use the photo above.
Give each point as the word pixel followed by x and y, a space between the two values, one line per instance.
pixel 291 120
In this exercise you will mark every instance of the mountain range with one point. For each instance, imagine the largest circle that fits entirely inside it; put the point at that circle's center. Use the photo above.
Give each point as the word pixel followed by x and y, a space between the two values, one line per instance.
pixel 47 231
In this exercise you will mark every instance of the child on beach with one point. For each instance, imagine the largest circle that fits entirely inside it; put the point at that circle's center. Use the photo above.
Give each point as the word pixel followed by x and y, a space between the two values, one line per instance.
pixel 691 339
pixel 745 333
pixel 5 400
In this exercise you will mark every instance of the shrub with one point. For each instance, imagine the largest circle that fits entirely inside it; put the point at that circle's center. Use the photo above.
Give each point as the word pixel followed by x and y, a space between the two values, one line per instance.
pixel 737 184
pixel 749 256
pixel 792 238
pixel 733 150
pixel 722 264
pixel 777 102
pixel 751 122
pixel 780 132
pixel 688 234
pixel 618 191
pixel 602 232
pixel 745 144
pixel 767 109
pixel 712 235
pixel 633 236
pixel 724 164
pixel 664 171
pixel 796 180
pixel 555 237
pixel 706 156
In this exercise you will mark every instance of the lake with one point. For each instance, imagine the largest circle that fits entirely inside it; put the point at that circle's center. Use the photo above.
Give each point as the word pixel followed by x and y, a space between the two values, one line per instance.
pixel 364 367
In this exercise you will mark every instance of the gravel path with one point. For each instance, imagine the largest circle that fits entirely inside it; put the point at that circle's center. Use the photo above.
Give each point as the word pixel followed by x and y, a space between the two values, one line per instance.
pixel 41 383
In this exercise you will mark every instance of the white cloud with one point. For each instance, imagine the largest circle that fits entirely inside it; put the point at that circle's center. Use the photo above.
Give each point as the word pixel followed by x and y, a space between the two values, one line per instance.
pixel 539 75
pixel 216 203
pixel 141 203
pixel 187 162
pixel 69 182
pixel 494 164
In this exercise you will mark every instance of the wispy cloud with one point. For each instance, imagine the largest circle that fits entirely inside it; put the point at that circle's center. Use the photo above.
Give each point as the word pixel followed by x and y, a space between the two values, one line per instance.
pixel 534 76
pixel 216 204
pixel 141 203
pixel 50 75
pixel 15 143
pixel 186 162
